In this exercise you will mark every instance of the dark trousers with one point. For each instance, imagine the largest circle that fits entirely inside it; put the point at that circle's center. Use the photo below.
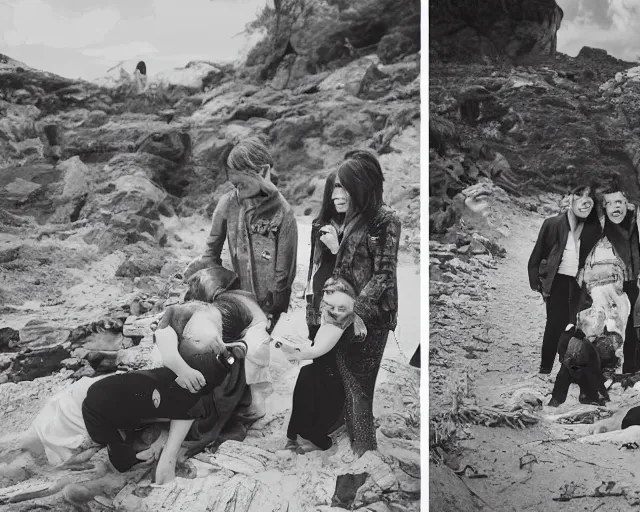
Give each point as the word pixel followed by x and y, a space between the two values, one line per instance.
pixel 123 401
pixel 561 311
pixel 630 347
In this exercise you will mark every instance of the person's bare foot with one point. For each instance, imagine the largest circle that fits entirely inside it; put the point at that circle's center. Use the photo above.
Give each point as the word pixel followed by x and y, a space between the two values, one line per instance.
pixel 307 446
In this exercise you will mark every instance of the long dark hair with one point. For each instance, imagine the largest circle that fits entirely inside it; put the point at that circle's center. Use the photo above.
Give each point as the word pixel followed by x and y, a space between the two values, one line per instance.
pixel 142 67
pixel 361 176
pixel 236 317
pixel 327 209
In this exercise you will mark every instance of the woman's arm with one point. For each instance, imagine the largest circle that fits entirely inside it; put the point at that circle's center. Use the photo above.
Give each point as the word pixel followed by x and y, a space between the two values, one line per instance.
pixel 326 338
pixel 368 305
pixel 166 470
pixel 285 265
pixel 167 342
pixel 537 255
pixel 170 327
pixel 215 241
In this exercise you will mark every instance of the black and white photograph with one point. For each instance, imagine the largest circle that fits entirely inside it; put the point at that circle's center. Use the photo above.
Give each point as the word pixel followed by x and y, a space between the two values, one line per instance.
pixel 210 285
pixel 534 255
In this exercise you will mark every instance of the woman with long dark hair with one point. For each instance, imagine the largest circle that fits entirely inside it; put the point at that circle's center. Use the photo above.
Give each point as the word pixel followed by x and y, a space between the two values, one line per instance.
pixel 326 234
pixel 367 259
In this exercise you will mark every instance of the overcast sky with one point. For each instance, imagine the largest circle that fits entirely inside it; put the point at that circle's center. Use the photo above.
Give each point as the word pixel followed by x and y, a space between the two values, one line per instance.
pixel 610 24
pixel 84 38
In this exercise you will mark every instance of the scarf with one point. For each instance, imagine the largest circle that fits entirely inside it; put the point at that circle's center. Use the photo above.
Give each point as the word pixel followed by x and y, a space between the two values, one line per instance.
pixel 624 239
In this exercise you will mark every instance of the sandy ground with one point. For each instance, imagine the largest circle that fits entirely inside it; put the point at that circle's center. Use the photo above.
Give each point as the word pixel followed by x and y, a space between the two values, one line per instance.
pixel 84 302
pixel 513 326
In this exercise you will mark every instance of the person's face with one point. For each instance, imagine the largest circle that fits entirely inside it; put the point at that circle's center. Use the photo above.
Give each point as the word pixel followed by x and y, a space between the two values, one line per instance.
pixel 582 204
pixel 616 207
pixel 203 332
pixel 247 183
pixel 337 305
pixel 340 197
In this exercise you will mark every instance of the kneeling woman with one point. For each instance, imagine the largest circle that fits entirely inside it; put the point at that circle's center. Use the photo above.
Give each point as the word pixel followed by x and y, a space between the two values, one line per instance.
pixel 98 409
pixel 318 397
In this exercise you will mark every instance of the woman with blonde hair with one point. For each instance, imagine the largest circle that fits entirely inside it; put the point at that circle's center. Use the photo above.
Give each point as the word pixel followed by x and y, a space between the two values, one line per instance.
pixel 259 227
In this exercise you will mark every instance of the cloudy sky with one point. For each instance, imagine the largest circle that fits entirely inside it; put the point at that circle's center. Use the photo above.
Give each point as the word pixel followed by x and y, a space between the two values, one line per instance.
pixel 610 24
pixel 84 38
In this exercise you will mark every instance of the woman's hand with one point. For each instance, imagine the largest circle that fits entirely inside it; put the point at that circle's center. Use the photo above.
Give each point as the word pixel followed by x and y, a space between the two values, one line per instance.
pixel 330 238
pixel 359 329
pixel 292 354
pixel 166 469
pixel 191 379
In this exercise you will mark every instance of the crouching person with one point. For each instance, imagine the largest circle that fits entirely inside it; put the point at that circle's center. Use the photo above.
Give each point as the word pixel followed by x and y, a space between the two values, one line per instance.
pixel 126 402
pixel 108 410
pixel 581 364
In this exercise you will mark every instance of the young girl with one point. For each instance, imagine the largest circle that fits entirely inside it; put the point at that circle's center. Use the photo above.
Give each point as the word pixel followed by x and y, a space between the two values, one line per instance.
pixel 318 397
pixel 259 227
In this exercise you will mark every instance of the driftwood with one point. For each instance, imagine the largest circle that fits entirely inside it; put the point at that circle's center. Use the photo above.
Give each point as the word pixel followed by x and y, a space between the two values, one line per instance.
pixel 443 426
pixel 604 490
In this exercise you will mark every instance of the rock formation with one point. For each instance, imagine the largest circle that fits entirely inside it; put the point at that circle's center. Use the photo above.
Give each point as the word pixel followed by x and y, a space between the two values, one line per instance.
pixel 520 31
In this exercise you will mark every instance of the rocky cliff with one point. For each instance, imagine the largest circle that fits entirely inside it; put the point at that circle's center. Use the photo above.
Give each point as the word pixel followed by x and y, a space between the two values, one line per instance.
pixel 531 129
pixel 506 143
pixel 520 31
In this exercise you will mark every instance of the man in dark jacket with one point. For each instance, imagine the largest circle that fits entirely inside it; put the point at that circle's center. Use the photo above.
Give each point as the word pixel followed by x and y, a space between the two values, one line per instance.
pixel 562 247
pixel 620 228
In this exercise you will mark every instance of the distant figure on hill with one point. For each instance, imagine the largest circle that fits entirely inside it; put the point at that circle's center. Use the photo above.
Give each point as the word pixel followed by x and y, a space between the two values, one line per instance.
pixel 140 77
pixel 142 67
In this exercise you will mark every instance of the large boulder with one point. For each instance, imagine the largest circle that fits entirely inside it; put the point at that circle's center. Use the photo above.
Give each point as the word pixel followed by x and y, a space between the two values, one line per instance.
pixel 171 145
pixel 76 178
pixel 517 30
pixel 141 260
pixel 353 77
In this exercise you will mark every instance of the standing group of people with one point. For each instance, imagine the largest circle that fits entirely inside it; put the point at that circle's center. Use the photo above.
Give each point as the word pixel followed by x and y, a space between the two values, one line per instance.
pixel 585 263
pixel 212 353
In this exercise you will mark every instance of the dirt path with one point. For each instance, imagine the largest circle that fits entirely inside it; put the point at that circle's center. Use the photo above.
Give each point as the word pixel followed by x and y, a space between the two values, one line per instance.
pixel 511 324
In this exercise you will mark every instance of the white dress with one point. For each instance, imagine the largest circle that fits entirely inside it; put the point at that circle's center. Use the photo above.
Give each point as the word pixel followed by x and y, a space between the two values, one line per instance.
pixel 60 425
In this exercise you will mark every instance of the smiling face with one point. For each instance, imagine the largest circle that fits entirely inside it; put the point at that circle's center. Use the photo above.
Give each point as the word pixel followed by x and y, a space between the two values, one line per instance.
pixel 616 206
pixel 582 204
pixel 340 197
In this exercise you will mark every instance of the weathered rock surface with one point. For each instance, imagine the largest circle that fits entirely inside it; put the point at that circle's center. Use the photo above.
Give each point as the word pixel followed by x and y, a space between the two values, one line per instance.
pixel 519 30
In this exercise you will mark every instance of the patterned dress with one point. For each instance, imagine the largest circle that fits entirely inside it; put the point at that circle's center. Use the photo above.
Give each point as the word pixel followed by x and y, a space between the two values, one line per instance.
pixel 368 258
pixel 603 278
